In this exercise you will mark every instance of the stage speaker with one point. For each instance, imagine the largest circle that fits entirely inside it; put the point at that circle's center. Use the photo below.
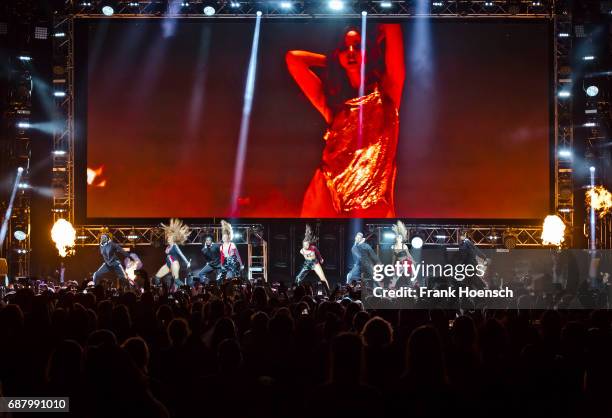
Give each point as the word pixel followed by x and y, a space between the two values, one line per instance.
pixel 281 244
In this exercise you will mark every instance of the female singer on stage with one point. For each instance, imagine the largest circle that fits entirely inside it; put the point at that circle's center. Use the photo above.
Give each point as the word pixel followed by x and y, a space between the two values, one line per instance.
pixel 231 263
pixel 356 177
pixel 176 234
pixel 312 259
pixel 401 254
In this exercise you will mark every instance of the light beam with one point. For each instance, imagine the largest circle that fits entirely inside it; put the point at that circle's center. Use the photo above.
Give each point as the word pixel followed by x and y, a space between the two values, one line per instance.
pixel 243 138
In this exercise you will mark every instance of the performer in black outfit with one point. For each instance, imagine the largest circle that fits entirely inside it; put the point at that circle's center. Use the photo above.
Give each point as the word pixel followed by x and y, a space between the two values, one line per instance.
pixel 364 259
pixel 111 251
pixel 176 234
pixel 212 257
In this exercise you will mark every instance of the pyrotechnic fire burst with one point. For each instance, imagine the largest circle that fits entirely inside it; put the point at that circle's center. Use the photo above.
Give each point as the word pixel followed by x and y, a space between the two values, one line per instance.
pixel 599 199
pixel 94 177
pixel 553 230
pixel 63 235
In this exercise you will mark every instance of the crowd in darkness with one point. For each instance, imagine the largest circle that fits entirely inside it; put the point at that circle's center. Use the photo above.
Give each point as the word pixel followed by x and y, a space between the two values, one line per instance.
pixel 255 353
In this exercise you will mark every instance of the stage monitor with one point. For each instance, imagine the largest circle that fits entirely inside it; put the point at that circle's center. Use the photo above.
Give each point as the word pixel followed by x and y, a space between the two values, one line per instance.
pixel 447 119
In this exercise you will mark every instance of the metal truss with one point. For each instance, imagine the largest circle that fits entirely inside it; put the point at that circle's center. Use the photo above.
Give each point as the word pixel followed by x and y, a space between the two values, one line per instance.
pixel 320 8
pixel 564 126
pixel 492 236
pixel 88 235
pixel 63 137
pixel 18 153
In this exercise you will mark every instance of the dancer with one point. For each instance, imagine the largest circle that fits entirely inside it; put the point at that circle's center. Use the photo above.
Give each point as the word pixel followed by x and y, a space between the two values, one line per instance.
pixel 111 251
pixel 401 254
pixel 364 259
pixel 176 234
pixel 312 259
pixel 231 263
pixel 212 257
pixel 356 177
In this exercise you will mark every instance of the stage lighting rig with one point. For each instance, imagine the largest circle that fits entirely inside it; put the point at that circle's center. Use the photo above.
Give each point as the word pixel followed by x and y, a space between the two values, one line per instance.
pixel 336 5
pixel 41 32
pixel 509 239
pixel 592 91
pixel 416 242
pixel 19 233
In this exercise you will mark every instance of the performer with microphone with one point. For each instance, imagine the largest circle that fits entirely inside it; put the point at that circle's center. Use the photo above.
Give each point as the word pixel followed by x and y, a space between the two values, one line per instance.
pixel 231 263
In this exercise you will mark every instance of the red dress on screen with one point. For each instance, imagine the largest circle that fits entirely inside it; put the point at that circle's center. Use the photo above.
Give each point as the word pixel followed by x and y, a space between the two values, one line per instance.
pixel 357 173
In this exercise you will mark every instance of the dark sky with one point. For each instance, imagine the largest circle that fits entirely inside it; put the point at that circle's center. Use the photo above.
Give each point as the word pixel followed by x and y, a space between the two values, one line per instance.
pixel 163 118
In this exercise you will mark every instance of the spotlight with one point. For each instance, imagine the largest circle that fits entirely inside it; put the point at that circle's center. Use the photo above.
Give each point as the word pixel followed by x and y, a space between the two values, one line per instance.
pixel 23 125
pixel 388 236
pixel 59 34
pixel 437 4
pixel 488 3
pixel 209 10
pixel 336 4
pixel 59 94
pixel 20 170
pixel 563 35
pixel 588 57
pixel 386 4
pixel 23 185
pixel 592 169
pixel 510 240
pixel 41 32
pixel 592 91
pixel 108 11
pixel 364 13
pixel 416 242
pixel 565 153
pixel 234 5
pixel 536 3
pixel 133 4
pixel 24 58
pixel 564 94
pixel 20 235
pixel 185 4
pixel 589 124
pixel 59 152
pixel 258 13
